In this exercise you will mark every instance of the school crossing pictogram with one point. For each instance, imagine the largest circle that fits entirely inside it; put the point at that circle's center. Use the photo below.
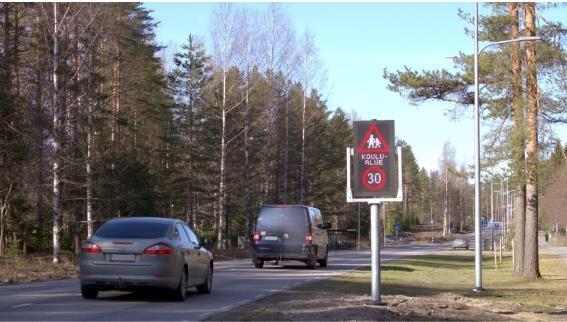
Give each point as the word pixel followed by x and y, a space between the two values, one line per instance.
pixel 373 142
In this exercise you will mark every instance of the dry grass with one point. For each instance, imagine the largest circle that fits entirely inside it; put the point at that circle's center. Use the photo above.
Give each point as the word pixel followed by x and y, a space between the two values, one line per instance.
pixel 424 288
pixel 230 254
pixel 558 241
pixel 34 269
pixel 25 269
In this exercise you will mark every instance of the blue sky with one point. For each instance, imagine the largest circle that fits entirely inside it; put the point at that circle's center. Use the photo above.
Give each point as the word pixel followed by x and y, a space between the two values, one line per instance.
pixel 356 42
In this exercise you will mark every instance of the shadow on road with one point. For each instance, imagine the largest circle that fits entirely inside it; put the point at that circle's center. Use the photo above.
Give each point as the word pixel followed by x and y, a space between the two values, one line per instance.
pixel 142 296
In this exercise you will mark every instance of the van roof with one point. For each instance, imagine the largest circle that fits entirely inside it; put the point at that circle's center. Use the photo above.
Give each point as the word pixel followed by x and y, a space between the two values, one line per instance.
pixel 285 206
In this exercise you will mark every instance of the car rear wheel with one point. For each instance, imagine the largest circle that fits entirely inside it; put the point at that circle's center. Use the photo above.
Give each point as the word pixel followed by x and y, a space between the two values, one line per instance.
pixel 181 292
pixel 89 292
pixel 206 287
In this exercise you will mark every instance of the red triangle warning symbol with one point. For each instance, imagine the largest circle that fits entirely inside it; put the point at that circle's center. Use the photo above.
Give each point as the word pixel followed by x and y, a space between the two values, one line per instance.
pixel 373 141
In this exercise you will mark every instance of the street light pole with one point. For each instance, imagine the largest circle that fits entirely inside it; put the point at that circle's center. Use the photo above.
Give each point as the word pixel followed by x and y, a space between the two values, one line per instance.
pixel 477 235
pixel 477 228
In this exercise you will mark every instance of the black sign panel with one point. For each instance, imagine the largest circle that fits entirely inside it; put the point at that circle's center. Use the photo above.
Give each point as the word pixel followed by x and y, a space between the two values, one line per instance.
pixel 374 159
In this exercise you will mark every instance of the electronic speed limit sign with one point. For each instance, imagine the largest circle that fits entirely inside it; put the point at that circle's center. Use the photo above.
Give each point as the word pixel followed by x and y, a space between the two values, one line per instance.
pixel 374 159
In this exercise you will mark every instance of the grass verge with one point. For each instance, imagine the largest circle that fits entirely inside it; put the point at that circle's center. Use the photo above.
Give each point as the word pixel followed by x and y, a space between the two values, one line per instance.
pixel 34 269
pixel 424 288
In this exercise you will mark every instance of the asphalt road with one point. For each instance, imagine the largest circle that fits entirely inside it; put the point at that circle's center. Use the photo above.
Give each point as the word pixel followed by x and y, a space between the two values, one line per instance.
pixel 235 283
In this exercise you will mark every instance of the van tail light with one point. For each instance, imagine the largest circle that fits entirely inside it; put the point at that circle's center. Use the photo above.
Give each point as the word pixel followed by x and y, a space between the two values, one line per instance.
pixel 309 238
pixel 256 237
pixel 90 247
pixel 158 249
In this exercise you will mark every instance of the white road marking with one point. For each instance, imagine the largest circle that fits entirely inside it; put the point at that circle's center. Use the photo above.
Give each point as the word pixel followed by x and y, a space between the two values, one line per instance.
pixel 21 305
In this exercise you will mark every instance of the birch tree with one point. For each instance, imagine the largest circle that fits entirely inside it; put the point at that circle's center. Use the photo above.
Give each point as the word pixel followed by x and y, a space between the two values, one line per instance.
pixel 223 38
pixel 248 55
pixel 309 68
pixel 447 164
pixel 279 42
pixel 57 129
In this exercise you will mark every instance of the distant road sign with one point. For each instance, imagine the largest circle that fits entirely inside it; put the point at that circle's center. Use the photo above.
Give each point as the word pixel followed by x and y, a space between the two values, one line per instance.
pixel 484 223
pixel 397 226
pixel 374 159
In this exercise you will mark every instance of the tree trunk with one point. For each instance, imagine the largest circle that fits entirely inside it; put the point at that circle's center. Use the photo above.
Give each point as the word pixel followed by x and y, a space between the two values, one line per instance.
pixel 56 141
pixel 90 133
pixel 115 136
pixel 461 209
pixel 446 201
pixel 3 214
pixel 518 144
pixel 222 210
pixel 247 196
pixel 286 155
pixel 302 174
pixel 190 208
pixel 39 141
pixel 531 258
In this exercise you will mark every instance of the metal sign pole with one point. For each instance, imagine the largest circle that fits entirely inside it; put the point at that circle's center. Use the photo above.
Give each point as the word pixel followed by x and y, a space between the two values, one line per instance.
pixel 358 229
pixel 374 181
pixel 375 245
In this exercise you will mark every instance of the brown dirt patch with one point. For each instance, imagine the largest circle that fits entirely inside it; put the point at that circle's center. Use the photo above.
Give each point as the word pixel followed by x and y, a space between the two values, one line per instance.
pixel 330 306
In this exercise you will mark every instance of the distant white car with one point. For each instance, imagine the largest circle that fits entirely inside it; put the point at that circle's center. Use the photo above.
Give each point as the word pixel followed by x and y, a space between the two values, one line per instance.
pixel 460 242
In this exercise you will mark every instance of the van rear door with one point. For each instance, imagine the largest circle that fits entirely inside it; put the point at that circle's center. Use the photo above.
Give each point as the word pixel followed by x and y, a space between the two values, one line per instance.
pixel 282 229
pixel 296 227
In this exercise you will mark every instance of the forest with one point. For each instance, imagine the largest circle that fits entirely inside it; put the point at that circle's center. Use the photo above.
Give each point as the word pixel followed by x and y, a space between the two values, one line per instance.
pixel 99 121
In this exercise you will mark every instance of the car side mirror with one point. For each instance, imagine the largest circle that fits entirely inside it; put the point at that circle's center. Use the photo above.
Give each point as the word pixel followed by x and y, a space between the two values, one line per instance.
pixel 206 243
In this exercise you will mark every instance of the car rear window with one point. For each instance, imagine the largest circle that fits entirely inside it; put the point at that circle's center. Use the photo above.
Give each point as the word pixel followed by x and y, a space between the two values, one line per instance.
pixel 133 229
pixel 272 217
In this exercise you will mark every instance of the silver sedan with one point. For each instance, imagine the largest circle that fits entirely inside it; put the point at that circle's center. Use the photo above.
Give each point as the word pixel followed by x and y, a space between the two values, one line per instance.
pixel 460 242
pixel 142 252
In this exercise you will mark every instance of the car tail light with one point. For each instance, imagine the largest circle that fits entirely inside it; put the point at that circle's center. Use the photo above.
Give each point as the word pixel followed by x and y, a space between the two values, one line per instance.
pixel 158 249
pixel 309 238
pixel 90 247
pixel 256 237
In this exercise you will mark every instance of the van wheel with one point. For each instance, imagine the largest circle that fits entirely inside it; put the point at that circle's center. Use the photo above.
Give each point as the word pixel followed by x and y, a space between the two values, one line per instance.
pixel 89 292
pixel 323 262
pixel 259 263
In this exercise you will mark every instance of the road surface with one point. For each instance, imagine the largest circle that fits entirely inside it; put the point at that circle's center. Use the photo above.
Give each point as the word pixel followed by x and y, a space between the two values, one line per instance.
pixel 235 283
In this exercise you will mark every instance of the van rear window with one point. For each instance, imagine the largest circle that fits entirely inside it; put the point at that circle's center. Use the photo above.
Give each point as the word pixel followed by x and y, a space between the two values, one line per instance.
pixel 132 229
pixel 271 217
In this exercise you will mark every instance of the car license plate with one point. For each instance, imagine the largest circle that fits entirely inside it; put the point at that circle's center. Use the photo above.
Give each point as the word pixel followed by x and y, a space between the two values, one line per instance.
pixel 274 238
pixel 122 257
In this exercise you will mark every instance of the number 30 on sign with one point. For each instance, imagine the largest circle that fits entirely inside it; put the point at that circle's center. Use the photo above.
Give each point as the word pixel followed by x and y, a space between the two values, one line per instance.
pixel 374 178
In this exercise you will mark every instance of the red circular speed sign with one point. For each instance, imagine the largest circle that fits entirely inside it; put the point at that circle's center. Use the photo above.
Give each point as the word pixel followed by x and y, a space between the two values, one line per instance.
pixel 374 178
